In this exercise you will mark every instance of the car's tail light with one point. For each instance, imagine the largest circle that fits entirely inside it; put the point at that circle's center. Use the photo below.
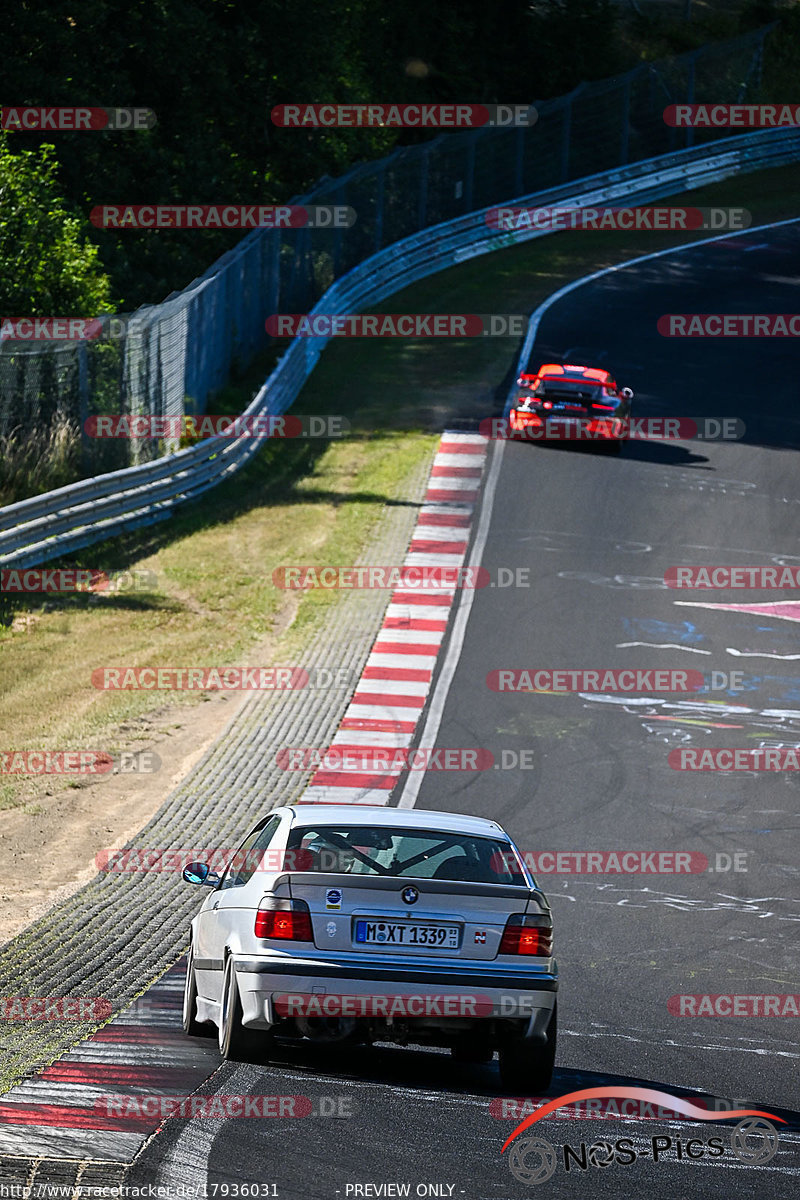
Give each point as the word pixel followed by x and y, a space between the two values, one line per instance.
pixel 524 935
pixel 284 920
pixel 547 404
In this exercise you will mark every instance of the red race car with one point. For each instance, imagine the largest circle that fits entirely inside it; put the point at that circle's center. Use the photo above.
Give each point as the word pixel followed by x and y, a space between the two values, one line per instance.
pixel 566 402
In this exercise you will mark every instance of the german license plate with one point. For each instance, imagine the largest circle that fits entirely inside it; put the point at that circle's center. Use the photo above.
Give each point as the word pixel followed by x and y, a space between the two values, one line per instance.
pixel 406 933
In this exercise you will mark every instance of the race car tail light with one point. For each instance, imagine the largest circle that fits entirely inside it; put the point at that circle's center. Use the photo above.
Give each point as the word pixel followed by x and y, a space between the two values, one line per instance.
pixel 547 404
pixel 525 935
pixel 284 920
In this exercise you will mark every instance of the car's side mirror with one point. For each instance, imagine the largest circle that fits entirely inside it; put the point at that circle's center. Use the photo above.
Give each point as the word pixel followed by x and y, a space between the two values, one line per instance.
pixel 200 872
pixel 626 394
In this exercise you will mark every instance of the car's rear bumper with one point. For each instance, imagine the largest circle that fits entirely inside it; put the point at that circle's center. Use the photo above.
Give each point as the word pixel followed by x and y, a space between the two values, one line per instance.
pixel 271 987
pixel 557 428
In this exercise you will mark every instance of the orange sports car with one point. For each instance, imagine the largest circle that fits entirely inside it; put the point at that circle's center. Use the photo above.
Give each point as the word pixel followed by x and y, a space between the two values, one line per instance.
pixel 566 402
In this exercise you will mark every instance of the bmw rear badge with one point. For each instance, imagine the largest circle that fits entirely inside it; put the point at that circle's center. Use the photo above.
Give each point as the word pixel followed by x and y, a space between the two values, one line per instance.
pixel 410 895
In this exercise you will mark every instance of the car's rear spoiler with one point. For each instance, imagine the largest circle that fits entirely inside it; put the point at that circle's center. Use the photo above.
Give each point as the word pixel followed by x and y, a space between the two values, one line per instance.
pixel 381 883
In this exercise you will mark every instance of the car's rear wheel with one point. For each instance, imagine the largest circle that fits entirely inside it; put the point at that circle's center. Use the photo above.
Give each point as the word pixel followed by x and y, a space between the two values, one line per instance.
pixel 235 1042
pixel 191 1025
pixel 526 1068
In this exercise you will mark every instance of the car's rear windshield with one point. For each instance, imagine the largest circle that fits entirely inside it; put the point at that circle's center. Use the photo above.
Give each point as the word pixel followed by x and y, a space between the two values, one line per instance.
pixel 405 853
pixel 583 388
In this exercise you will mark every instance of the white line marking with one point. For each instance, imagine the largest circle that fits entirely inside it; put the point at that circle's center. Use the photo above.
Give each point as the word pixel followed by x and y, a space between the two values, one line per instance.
pixel 443 459
pixel 451 483
pixel 412 662
pixel 435 508
pixel 431 612
pixel 440 533
pixel 371 737
pixel 413 637
pixel 382 712
pixel 431 558
pixel 759 654
pixel 346 795
pixel 664 646
pixel 394 687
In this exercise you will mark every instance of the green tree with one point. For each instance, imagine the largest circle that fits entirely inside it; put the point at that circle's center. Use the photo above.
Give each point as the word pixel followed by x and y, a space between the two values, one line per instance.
pixel 48 268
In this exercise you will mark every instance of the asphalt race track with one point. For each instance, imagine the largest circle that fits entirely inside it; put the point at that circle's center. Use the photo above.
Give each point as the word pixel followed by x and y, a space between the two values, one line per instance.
pixel 597 534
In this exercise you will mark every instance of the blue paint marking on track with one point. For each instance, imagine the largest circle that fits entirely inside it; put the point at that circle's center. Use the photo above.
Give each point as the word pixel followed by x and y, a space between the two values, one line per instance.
pixel 683 631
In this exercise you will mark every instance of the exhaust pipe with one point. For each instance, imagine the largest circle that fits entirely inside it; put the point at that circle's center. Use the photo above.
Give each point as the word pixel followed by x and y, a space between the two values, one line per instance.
pixel 326 1029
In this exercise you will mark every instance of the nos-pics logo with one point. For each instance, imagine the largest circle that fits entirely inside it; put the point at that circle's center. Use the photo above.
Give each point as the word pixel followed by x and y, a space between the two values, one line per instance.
pixel 533 1160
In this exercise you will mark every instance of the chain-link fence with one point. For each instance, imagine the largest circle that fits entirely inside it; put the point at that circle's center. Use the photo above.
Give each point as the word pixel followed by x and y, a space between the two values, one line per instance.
pixel 170 357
